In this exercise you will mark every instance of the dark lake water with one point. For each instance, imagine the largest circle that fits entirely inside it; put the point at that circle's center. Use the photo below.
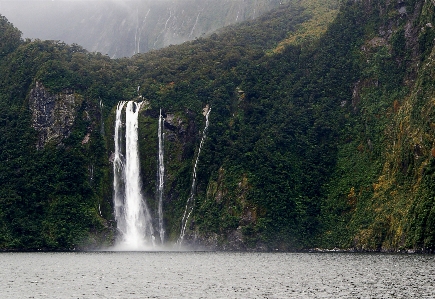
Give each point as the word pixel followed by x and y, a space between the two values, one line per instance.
pixel 215 275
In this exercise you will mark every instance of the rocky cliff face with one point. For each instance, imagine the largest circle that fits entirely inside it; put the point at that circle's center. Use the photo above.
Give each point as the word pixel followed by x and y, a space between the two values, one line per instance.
pixel 331 146
pixel 387 204
pixel 53 115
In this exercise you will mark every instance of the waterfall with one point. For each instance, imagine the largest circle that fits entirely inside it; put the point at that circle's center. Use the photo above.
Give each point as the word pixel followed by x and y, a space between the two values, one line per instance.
pixel 161 177
pixel 134 211
pixel 131 211
pixel 190 201
pixel 118 172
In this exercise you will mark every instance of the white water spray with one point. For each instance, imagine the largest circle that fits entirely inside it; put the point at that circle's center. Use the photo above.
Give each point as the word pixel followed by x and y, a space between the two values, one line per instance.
pixel 161 177
pixel 131 212
pixel 190 201
pixel 118 172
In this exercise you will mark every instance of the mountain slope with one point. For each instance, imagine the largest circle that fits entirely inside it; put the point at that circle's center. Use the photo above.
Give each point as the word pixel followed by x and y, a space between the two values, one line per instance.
pixel 124 28
pixel 323 142
pixel 387 202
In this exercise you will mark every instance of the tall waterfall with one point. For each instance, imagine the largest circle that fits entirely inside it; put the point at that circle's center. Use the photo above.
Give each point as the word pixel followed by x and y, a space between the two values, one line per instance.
pixel 118 172
pixel 161 177
pixel 190 201
pixel 131 211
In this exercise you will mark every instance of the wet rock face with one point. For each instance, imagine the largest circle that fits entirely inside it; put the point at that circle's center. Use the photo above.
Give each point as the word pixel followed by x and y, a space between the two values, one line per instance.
pixel 182 129
pixel 52 115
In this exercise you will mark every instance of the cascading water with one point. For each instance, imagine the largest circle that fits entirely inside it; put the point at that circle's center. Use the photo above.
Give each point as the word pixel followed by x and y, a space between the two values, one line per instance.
pixel 131 212
pixel 161 177
pixel 118 172
pixel 190 201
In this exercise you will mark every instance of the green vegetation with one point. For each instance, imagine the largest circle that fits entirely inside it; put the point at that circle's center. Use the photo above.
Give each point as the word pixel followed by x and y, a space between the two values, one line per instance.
pixel 11 37
pixel 326 143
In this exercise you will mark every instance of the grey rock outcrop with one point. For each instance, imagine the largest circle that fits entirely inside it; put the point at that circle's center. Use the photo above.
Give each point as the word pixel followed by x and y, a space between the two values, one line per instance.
pixel 52 115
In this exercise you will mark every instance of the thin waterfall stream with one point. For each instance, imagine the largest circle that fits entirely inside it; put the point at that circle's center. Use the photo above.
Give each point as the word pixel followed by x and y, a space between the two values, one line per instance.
pixel 161 177
pixel 190 201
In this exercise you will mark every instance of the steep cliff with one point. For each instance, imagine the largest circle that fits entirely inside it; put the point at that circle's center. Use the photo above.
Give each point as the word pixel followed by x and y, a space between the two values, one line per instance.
pixel 316 138
pixel 52 115
pixel 387 202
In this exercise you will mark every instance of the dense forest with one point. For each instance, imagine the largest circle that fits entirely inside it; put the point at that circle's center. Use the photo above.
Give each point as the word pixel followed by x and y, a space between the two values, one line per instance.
pixel 320 136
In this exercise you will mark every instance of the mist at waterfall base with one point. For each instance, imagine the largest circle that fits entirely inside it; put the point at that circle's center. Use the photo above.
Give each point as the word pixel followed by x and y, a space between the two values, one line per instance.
pixel 132 215
pixel 131 211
